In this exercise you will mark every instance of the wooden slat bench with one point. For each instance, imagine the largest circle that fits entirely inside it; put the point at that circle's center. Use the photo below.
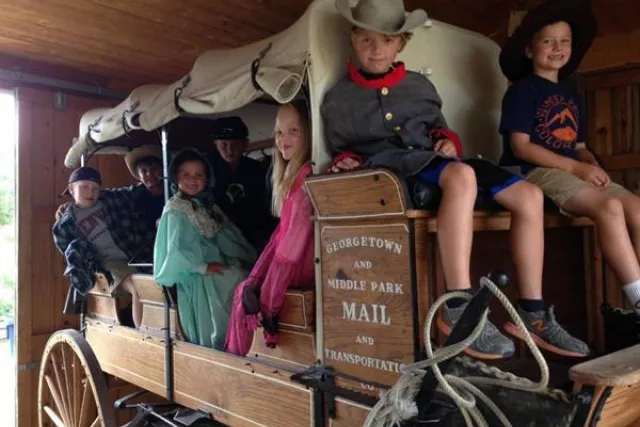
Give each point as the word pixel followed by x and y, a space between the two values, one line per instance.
pixel 297 324
pixel 102 306
pixel 152 299
pixel 296 335
pixel 299 311
pixel 616 382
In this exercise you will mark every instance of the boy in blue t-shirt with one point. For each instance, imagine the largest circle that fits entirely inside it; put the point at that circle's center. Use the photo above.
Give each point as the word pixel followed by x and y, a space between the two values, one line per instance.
pixel 543 126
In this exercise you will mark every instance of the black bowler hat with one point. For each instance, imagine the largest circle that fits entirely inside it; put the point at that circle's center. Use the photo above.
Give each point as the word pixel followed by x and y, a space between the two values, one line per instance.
pixel 229 128
pixel 577 13
pixel 84 173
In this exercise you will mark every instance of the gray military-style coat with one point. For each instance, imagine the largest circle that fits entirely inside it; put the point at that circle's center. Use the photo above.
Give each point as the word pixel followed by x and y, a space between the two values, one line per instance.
pixel 386 120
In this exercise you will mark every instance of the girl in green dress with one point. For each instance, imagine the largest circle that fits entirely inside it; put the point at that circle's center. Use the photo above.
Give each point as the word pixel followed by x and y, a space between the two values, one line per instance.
pixel 200 251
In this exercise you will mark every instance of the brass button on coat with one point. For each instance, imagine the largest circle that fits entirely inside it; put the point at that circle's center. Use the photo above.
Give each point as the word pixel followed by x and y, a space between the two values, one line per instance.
pixel 384 91
pixel 397 129
pixel 388 116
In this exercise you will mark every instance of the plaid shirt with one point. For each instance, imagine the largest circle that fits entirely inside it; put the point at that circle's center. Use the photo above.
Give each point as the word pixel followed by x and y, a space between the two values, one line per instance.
pixel 125 220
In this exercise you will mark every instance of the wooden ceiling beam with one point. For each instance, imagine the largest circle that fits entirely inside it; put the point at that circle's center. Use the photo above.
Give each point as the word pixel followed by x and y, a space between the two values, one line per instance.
pixel 180 18
pixel 100 52
pixel 121 30
pixel 72 59
pixel 271 15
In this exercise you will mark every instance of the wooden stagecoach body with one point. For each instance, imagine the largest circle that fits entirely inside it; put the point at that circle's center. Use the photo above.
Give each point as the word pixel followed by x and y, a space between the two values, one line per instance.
pixel 377 271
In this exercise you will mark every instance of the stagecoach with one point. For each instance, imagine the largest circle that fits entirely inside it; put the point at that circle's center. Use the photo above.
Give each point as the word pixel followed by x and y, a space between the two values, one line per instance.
pixel 359 332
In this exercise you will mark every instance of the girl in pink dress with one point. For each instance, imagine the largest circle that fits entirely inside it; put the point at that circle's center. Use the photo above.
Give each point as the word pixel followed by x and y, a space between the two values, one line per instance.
pixel 287 260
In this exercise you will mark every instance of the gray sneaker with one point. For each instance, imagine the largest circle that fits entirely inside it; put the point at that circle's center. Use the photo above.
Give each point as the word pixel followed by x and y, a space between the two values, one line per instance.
pixel 491 344
pixel 548 334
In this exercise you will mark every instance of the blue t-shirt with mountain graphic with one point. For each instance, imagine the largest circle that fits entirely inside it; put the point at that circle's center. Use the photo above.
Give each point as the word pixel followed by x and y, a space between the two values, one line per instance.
pixel 552 114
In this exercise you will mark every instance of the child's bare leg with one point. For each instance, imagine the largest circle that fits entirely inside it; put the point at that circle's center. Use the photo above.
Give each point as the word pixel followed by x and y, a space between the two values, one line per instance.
pixel 136 306
pixel 525 202
pixel 631 206
pixel 608 214
pixel 455 234
pixel 455 223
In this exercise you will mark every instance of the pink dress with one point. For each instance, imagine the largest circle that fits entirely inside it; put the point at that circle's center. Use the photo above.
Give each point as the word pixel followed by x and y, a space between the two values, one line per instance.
pixel 286 262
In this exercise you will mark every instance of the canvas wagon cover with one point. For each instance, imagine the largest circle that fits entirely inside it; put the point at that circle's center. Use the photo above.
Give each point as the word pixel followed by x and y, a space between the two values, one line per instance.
pixel 462 64
pixel 220 81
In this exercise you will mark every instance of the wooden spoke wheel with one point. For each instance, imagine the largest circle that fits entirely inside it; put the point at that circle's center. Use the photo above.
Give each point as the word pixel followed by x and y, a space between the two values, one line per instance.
pixel 72 391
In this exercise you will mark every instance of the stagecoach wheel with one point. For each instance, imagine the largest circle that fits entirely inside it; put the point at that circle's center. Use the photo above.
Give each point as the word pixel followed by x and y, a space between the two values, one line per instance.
pixel 72 391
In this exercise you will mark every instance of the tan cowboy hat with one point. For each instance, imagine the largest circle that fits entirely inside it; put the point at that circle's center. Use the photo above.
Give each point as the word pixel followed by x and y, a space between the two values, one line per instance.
pixel 139 153
pixel 382 16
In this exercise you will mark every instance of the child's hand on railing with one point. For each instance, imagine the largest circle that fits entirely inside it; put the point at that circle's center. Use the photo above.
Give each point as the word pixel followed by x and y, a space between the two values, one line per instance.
pixel 345 162
pixel 345 165
pixel 61 210
pixel 446 147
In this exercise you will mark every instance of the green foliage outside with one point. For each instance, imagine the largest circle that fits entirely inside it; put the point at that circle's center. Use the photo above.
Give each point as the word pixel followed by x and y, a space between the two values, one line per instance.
pixel 8 266
pixel 6 207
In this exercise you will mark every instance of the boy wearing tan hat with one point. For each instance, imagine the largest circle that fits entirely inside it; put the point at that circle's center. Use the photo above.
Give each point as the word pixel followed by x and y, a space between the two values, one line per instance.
pixel 145 164
pixel 544 129
pixel 381 114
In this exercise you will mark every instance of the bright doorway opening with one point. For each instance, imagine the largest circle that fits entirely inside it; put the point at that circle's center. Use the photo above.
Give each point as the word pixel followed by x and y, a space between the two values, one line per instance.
pixel 8 255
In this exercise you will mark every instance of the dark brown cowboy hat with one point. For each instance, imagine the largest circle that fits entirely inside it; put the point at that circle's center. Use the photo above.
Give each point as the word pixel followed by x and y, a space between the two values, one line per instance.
pixel 577 13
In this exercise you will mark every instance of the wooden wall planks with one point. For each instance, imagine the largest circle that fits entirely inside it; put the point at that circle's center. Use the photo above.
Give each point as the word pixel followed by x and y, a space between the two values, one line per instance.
pixel 613 104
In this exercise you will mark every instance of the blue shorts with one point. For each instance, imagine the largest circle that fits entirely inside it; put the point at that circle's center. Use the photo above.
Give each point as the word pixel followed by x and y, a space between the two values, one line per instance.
pixel 491 178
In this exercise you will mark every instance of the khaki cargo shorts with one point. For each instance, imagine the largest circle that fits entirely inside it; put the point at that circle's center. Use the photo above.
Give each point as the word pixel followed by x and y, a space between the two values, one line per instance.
pixel 560 185
pixel 120 271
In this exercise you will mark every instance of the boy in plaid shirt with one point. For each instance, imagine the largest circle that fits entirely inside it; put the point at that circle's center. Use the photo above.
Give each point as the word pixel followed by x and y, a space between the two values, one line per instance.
pixel 100 232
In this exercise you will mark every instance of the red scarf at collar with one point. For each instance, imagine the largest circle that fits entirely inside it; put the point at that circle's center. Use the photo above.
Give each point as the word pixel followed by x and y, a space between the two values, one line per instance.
pixel 388 80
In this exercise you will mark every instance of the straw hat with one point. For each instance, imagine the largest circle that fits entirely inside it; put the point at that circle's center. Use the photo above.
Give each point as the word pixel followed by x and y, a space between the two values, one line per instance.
pixel 382 16
pixel 140 153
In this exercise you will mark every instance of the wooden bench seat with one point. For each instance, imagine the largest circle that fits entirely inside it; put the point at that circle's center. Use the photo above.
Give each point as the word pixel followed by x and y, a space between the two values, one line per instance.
pixel 296 338
pixel 298 313
pixel 613 381
pixel 100 304
pixel 152 300
pixel 618 369
pixel 500 221
pixel 382 194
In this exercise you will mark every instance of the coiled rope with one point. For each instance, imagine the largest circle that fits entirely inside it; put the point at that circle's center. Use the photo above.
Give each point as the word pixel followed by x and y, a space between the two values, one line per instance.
pixel 398 403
